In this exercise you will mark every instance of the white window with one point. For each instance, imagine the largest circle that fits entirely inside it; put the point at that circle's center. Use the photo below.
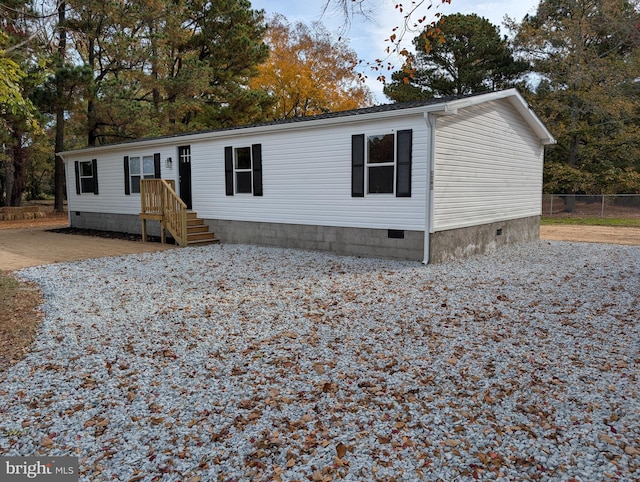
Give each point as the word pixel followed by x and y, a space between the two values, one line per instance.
pixel 87 180
pixel 140 168
pixel 243 170
pixel 381 164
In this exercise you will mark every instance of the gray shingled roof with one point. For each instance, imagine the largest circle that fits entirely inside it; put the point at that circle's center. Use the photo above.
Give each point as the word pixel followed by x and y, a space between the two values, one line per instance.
pixel 295 120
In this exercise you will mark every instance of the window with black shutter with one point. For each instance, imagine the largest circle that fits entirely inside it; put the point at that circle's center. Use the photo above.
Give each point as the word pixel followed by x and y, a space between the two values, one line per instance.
pixel 243 170
pixel 137 168
pixel 86 176
pixel 381 164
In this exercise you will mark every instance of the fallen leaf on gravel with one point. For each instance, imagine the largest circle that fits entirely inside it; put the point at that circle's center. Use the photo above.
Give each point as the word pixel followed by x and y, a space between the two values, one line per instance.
pixel 605 438
pixel 103 422
pixel 629 450
pixel 47 442
pixel 341 450
pixel 452 442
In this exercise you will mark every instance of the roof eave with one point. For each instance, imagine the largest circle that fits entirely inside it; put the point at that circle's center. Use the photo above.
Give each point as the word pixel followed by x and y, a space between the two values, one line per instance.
pixel 446 107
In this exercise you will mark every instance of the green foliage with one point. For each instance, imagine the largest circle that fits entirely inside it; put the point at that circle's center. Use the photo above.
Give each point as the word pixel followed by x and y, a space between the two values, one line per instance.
pixel 11 99
pixel 166 67
pixel 39 173
pixel 14 104
pixel 588 55
pixel 461 54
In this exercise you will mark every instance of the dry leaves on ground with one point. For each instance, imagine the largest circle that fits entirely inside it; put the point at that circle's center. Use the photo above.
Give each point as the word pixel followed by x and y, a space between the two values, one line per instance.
pixel 19 318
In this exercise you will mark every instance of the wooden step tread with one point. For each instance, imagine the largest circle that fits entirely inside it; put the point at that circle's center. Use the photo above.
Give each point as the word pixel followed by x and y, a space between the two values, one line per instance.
pixel 201 242
pixel 197 236
pixel 200 228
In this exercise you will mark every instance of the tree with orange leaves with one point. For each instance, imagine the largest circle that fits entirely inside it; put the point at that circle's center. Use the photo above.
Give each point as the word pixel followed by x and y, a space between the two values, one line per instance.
pixel 309 72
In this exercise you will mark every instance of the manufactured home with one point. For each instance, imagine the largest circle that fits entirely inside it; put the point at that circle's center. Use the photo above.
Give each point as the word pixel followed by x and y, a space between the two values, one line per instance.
pixel 429 181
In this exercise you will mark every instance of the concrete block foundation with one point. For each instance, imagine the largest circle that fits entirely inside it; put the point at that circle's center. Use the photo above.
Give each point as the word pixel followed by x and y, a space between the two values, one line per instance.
pixel 366 242
pixel 463 242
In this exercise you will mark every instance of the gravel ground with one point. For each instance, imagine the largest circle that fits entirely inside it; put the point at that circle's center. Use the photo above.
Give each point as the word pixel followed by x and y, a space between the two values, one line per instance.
pixel 245 363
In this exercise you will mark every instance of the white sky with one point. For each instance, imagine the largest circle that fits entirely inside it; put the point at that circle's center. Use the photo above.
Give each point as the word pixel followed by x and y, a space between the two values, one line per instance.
pixel 367 36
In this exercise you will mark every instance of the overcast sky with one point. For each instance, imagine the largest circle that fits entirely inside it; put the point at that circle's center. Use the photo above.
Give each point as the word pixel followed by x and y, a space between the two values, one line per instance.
pixel 367 37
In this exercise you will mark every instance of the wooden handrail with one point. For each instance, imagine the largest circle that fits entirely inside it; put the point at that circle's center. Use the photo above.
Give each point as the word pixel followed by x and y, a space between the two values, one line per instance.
pixel 159 201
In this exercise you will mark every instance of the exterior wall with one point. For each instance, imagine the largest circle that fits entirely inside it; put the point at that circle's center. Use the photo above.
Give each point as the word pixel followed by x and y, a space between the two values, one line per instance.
pixel 111 197
pixel 463 242
pixel 487 168
pixel 306 177
pixel 348 241
pixel 363 242
pixel 443 246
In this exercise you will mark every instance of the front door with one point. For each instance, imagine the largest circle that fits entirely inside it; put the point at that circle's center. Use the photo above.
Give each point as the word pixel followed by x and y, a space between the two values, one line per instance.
pixel 184 171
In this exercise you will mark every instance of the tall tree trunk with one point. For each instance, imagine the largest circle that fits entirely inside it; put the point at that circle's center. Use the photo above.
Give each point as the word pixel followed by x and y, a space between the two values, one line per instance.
pixel 92 116
pixel 9 181
pixel 19 156
pixel 59 181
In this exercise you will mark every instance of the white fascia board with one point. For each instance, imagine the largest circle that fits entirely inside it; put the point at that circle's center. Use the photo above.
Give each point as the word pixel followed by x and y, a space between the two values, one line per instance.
pixel 261 129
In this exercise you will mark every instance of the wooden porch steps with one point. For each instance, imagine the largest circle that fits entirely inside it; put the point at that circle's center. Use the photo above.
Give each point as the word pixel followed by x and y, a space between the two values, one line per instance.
pixel 198 233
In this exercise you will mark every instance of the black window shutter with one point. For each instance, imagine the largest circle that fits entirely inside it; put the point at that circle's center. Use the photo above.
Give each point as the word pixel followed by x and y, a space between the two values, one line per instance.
pixel 77 177
pixel 94 165
pixel 357 165
pixel 127 185
pixel 403 156
pixel 228 170
pixel 156 166
pixel 256 154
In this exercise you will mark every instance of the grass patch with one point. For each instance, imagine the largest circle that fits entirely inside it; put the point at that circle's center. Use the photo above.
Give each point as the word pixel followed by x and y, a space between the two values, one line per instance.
pixel 19 318
pixel 590 221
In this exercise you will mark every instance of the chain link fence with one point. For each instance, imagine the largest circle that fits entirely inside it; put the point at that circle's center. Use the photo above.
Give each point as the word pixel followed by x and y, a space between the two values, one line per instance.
pixel 625 206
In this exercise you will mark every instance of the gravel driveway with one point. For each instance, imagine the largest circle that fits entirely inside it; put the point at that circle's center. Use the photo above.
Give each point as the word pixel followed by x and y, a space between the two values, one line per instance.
pixel 245 363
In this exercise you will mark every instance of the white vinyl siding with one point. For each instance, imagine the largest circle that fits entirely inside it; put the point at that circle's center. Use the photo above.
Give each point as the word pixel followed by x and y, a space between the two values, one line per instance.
pixel 112 198
pixel 307 179
pixel 488 167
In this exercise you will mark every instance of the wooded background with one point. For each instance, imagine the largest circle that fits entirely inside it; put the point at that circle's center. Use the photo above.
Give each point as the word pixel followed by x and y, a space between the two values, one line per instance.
pixel 81 73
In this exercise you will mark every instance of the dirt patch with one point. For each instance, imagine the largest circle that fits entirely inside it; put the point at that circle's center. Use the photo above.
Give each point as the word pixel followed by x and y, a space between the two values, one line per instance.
pixel 45 243
pixel 19 318
pixel 591 234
